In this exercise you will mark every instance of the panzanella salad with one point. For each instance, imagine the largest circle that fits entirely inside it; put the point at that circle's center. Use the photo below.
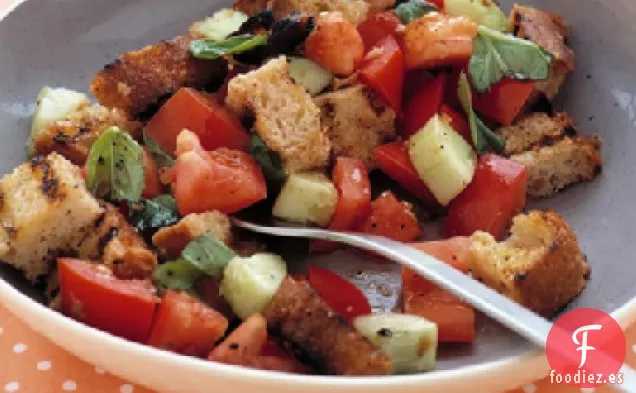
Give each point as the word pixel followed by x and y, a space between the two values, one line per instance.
pixel 282 109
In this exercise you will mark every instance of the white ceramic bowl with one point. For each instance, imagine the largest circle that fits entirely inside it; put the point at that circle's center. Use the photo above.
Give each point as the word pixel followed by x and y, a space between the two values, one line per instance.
pixel 64 42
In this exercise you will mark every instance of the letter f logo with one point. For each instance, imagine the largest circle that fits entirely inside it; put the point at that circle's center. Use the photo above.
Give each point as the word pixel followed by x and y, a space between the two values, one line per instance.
pixel 583 343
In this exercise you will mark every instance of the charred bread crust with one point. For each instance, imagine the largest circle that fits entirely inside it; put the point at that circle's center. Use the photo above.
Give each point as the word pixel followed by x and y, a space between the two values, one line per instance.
pixel 140 80
pixel 320 337
pixel 540 266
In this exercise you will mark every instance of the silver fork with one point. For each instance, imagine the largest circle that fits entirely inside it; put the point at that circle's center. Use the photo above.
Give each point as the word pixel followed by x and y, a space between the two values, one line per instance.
pixel 517 318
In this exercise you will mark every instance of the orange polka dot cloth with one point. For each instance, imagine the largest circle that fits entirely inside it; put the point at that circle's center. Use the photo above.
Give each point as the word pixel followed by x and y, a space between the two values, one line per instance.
pixel 30 363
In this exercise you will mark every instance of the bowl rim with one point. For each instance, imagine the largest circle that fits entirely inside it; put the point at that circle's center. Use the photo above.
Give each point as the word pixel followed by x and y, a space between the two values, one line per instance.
pixel 532 362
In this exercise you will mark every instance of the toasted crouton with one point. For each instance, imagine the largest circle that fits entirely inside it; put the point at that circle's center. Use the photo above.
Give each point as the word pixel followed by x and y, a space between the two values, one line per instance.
pixel 540 266
pixel 172 240
pixel 554 167
pixel 44 208
pixel 284 115
pixel 140 80
pixel 356 122
pixel 355 11
pixel 552 33
pixel 536 129
pixel 114 242
pixel 306 323
pixel 73 136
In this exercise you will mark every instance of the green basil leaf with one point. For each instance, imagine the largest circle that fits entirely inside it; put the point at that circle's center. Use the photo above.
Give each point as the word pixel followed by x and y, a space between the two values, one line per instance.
pixel 497 55
pixel 179 275
pixel 115 167
pixel 208 254
pixel 270 162
pixel 212 49
pixel 152 214
pixel 163 159
pixel 413 9
pixel 483 138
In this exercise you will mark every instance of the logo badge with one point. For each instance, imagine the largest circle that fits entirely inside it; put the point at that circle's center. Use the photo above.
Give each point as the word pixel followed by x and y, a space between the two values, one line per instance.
pixel 586 348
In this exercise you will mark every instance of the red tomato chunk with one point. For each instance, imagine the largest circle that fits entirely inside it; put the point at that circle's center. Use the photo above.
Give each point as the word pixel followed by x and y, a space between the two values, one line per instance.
pixel 455 318
pixel 504 101
pixel 377 27
pixel 225 180
pixel 496 194
pixel 394 161
pixel 96 297
pixel 200 113
pixel 186 325
pixel 393 219
pixel 423 105
pixel 342 296
pixel 384 72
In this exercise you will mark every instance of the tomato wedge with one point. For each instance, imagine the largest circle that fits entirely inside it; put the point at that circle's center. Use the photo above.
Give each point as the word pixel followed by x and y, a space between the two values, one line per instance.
pixel 423 105
pixel 455 318
pixel 393 219
pixel 152 186
pixel 454 251
pixel 394 160
pixel 504 101
pixel 94 296
pixel 351 179
pixel 377 27
pixel 186 325
pixel 200 113
pixel 384 72
pixel 225 180
pixel 496 194
pixel 458 121
pixel 342 296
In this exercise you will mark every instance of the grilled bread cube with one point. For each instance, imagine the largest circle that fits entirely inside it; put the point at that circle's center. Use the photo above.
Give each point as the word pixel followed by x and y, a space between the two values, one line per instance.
pixel 552 33
pixel 540 266
pixel 140 80
pixel 74 135
pixel 172 240
pixel 114 242
pixel 285 116
pixel 45 208
pixel 355 11
pixel 305 322
pixel 554 167
pixel 553 151
pixel 356 122
pixel 536 129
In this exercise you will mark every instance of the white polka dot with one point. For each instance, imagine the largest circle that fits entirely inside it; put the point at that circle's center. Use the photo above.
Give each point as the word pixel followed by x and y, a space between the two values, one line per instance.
pixel 69 385
pixel 588 390
pixel 1 331
pixel 99 370
pixel 12 387
pixel 633 346
pixel 127 388
pixel 43 365
pixel 530 388
pixel 20 347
